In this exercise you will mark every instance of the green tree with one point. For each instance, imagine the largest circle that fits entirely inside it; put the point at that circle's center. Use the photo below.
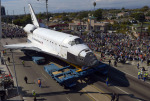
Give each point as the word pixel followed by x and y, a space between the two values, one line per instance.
pixel 122 8
pixel 18 22
pixel 73 15
pixel 64 13
pixel 65 18
pixel 148 13
pixel 115 26
pixel 109 26
pixel 138 16
pixel 23 20
pixel 145 8
pixel 82 15
pixel 113 17
pixel 98 14
pixel 40 16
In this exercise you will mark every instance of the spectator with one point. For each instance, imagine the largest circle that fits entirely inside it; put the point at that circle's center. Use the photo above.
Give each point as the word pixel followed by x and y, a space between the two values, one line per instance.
pixel 113 97
pixel 8 59
pixel 109 62
pixel 26 79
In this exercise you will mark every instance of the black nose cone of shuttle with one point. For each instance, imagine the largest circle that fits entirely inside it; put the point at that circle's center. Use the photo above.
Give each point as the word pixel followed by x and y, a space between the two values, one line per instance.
pixel 91 60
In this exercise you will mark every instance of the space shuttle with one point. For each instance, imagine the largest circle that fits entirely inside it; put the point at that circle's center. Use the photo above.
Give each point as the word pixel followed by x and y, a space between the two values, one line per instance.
pixel 64 46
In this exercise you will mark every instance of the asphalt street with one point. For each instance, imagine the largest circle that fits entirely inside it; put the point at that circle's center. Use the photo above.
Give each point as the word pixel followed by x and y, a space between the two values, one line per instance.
pixel 50 89
pixel 122 80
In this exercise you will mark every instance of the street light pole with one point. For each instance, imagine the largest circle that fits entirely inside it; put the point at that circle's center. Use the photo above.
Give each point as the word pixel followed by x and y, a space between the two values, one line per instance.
pixel 15 72
pixel 47 7
pixel 0 22
pixel 47 11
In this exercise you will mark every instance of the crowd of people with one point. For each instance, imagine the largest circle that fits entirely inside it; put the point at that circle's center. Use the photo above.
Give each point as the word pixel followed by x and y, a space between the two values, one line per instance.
pixel 12 31
pixel 120 46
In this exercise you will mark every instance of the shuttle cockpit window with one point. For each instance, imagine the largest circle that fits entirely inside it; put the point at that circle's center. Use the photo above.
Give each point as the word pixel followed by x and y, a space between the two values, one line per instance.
pixel 75 41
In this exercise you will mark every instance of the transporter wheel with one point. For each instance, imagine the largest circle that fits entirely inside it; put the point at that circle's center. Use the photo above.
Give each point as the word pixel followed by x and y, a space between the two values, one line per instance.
pixel 65 87
pixel 3 97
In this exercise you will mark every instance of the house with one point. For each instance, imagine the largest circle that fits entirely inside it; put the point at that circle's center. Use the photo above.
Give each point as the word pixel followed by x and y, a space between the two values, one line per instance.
pixel 109 21
pixel 58 26
pixel 147 18
pixel 95 26
pixel 123 14
pixel 140 32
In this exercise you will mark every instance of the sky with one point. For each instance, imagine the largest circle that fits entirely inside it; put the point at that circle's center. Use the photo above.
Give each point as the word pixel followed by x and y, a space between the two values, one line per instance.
pixel 68 5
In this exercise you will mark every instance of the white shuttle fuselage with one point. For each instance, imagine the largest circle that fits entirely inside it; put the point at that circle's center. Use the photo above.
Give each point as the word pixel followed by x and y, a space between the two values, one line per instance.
pixel 61 45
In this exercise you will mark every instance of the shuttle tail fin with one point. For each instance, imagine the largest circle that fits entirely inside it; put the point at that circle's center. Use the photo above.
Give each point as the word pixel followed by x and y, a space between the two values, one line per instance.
pixel 33 17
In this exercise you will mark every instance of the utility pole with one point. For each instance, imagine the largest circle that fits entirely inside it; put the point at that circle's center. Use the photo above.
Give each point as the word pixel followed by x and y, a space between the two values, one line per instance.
pixel 0 22
pixel 13 17
pixel 80 27
pixel 24 11
pixel 90 24
pixel 7 17
pixel 46 10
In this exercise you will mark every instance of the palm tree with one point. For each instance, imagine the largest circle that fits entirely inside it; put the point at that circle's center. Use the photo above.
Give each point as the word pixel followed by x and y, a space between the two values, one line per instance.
pixel 94 4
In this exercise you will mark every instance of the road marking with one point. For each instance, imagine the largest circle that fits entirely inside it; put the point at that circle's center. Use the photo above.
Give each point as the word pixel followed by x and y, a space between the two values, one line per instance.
pixel 114 86
pixel 89 95
pixel 45 75
pixel 125 72
pixel 121 90
pixel 101 91
pixel 136 77
pixel 132 75
pixel 68 99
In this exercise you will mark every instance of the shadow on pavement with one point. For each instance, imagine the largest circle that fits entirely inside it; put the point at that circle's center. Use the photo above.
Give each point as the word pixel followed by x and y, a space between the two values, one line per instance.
pixel 62 93
pixel 25 58
pixel 31 83
pixel 128 95
pixel 117 78
pixel 13 94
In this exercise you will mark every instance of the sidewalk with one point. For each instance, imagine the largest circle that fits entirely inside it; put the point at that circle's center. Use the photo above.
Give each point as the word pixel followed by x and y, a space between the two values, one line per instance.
pixel 132 63
pixel 11 95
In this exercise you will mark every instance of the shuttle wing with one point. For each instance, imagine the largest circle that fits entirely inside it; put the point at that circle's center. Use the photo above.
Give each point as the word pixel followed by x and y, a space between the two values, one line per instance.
pixel 31 46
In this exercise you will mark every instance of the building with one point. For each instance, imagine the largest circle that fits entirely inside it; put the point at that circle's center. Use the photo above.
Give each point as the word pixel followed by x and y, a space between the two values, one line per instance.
pixel 138 32
pixel 3 11
pixel 147 18
pixel 85 26
pixel 123 14
pixel 110 21
pixel 58 26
